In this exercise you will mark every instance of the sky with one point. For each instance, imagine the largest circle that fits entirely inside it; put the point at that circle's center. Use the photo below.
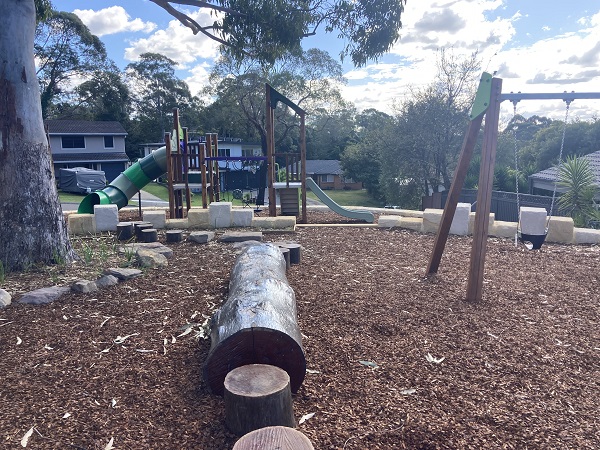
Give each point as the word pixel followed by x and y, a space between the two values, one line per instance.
pixel 535 46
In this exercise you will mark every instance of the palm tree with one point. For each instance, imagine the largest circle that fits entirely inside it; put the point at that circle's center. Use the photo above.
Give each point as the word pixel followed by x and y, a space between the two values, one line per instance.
pixel 576 176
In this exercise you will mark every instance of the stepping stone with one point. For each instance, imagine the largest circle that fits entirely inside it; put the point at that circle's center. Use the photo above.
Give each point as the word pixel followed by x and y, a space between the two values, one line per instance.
pixel 241 236
pixel 106 281
pixel 5 298
pixel 201 237
pixel 44 295
pixel 123 274
pixel 84 286
pixel 149 258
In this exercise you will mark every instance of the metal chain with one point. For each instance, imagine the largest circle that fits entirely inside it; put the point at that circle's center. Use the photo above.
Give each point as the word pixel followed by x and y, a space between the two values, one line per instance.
pixel 562 146
pixel 514 131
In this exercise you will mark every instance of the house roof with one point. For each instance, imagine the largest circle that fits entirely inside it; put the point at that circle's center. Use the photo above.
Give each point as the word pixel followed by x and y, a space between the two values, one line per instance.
pixel 323 167
pixel 551 174
pixel 83 157
pixel 62 127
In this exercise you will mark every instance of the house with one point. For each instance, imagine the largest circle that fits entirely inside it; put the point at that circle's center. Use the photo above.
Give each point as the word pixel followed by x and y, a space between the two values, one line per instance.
pixel 93 145
pixel 545 179
pixel 328 174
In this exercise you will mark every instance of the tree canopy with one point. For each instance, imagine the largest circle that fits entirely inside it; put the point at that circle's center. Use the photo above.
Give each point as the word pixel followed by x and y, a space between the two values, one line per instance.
pixel 265 31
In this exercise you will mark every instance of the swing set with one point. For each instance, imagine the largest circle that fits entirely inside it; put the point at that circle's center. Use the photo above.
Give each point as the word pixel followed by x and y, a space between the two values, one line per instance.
pixel 487 103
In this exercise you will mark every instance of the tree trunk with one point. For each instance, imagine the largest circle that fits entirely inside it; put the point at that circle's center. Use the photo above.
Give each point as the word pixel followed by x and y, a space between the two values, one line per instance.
pixel 257 324
pixel 33 226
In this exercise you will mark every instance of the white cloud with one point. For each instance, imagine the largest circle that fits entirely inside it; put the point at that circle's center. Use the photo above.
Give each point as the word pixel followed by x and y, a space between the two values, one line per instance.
pixel 178 42
pixel 199 77
pixel 112 20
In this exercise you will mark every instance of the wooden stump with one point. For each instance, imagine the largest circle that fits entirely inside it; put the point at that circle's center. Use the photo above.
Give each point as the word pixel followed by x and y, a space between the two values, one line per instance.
pixel 258 323
pixel 149 235
pixel 286 255
pixel 139 227
pixel 257 396
pixel 174 235
pixel 295 253
pixel 274 438
pixel 124 231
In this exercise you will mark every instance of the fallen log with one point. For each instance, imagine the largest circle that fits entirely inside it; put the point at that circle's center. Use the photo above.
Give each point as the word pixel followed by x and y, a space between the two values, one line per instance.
pixel 257 324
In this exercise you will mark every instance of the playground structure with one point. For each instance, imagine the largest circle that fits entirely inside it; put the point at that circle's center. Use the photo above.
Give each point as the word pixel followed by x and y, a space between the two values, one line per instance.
pixel 181 159
pixel 487 103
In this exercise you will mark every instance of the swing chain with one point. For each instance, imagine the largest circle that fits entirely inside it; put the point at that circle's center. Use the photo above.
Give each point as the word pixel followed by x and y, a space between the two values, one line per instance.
pixel 514 131
pixel 562 146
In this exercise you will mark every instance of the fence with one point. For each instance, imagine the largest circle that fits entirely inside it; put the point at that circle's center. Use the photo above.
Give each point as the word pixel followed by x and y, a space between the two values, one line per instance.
pixel 503 205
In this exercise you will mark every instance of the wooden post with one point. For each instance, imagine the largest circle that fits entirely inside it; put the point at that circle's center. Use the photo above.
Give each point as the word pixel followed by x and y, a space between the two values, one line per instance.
pixel 270 438
pixel 303 166
pixel 202 153
pixel 257 396
pixel 457 184
pixel 270 152
pixel 258 322
pixel 484 195
pixel 186 168
pixel 170 176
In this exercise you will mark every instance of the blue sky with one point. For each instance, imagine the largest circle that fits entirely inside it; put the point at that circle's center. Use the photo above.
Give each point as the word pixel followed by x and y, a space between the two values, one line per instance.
pixel 534 45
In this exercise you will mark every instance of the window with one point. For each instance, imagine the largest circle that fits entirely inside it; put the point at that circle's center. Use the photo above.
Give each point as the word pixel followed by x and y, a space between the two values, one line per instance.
pixel 224 152
pixel 73 142
pixel 328 178
pixel 108 142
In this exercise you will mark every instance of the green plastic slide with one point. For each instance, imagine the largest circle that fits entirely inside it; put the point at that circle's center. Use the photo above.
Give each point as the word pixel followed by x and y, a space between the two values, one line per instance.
pixel 126 185
pixel 367 216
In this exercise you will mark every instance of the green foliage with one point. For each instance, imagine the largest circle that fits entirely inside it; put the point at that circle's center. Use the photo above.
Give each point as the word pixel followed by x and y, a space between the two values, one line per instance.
pixel 43 9
pixel 577 177
pixel 64 49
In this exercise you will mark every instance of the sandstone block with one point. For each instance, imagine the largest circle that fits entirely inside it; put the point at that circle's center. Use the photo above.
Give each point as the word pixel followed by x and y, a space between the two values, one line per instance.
pixel 560 229
pixel 158 219
pixel 388 221
pixel 82 224
pixel 107 217
pixel 220 214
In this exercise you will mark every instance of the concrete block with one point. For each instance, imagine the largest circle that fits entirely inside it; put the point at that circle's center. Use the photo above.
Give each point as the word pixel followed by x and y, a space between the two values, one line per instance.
pixel 533 220
pixel 277 223
pixel 460 221
pixel 176 224
pixel 560 229
pixel 242 217
pixel 198 218
pixel 82 224
pixel 219 214
pixel 500 228
pixel 472 221
pixel 412 223
pixel 388 221
pixel 431 220
pixel 107 217
pixel 158 219
pixel 586 236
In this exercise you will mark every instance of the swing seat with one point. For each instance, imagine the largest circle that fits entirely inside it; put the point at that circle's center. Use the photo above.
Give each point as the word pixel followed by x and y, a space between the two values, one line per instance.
pixel 536 240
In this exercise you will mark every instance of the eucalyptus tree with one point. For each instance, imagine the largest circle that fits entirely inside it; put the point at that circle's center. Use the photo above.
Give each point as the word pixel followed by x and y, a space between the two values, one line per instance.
pixel 34 229
pixel 65 49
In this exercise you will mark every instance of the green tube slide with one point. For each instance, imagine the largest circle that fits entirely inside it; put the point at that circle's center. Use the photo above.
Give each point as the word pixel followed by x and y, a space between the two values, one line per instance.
pixel 126 185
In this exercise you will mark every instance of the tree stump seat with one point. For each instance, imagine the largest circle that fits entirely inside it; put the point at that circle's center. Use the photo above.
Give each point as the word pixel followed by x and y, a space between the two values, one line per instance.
pixel 125 231
pixel 174 236
pixel 257 396
pixel 274 438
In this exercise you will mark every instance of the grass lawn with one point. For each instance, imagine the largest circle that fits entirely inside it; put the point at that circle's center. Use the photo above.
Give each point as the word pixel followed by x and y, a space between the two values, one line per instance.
pixel 68 197
pixel 349 198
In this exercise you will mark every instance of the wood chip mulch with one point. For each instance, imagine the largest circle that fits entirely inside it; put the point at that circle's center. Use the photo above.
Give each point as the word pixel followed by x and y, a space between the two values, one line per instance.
pixel 396 361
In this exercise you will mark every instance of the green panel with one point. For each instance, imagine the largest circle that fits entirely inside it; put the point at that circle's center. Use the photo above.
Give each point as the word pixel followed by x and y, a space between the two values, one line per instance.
pixel 150 167
pixel 483 96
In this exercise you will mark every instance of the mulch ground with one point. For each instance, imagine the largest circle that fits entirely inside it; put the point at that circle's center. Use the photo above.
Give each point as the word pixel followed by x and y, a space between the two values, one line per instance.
pixel 395 360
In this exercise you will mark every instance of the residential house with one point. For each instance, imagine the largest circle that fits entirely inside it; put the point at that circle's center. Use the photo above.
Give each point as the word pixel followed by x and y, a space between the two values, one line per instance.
pixel 545 179
pixel 93 145
pixel 328 174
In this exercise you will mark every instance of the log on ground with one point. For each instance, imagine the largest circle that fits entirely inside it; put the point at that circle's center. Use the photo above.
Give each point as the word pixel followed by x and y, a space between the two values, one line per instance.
pixel 257 324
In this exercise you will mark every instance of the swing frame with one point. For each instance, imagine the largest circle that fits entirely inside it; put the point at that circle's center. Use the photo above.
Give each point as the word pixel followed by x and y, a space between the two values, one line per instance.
pixel 487 103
